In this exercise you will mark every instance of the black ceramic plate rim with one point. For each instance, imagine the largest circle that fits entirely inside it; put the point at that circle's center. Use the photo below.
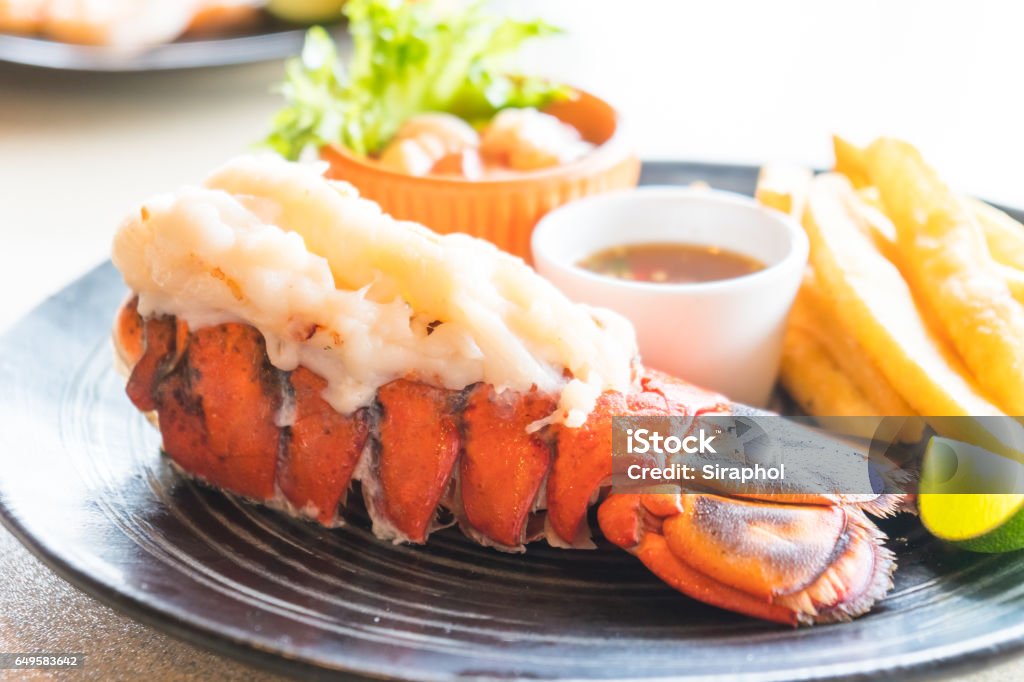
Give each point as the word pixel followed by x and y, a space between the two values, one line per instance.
pixel 968 654
pixel 982 651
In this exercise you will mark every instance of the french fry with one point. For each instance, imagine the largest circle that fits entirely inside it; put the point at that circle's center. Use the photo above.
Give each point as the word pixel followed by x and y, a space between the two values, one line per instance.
pixel 814 380
pixel 809 372
pixel 875 304
pixel 813 314
pixel 1014 279
pixel 783 188
pixel 850 161
pixel 1003 234
pixel 867 206
pixel 875 224
pixel 1001 244
pixel 945 258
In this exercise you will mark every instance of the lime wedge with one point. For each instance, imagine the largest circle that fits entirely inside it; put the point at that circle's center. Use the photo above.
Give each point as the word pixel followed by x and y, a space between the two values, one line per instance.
pixel 989 521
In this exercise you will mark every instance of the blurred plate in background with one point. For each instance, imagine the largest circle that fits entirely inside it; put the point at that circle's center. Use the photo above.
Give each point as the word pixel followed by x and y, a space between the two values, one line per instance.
pixel 268 41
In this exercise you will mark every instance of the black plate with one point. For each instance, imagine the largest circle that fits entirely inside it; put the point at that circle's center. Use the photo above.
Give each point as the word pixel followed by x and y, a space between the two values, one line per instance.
pixel 83 486
pixel 265 42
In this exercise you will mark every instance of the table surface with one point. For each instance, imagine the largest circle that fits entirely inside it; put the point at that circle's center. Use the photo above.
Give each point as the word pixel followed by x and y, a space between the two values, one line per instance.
pixel 77 152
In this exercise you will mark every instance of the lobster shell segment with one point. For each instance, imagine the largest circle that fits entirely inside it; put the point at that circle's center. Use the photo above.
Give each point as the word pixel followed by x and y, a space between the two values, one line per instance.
pixel 321 449
pixel 420 442
pixel 504 466
pixel 153 349
pixel 217 400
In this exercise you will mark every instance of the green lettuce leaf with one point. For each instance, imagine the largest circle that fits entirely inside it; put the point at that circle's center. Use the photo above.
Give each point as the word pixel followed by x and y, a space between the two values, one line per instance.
pixel 407 58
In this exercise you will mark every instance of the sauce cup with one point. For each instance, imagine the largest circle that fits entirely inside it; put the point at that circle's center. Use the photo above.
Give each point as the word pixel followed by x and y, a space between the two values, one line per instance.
pixel 726 334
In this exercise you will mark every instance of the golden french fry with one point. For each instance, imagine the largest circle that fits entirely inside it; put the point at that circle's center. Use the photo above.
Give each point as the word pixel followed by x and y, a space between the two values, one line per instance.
pixel 946 260
pixel 1014 279
pixel 813 314
pixel 1003 234
pixel 875 223
pixel 850 161
pixel 815 381
pixel 783 188
pixel 875 304
pixel 868 207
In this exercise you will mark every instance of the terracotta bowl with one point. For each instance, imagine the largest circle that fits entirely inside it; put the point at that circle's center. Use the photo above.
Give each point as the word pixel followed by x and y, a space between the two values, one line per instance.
pixel 503 211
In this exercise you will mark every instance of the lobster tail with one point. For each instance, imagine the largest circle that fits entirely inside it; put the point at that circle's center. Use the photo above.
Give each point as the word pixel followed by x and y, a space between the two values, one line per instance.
pixel 426 456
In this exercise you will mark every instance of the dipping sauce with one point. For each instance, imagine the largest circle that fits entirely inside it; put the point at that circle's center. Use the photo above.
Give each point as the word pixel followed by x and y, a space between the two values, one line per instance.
pixel 670 263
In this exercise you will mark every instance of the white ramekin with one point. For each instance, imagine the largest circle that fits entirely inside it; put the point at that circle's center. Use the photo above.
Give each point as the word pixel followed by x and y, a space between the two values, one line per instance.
pixel 725 335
